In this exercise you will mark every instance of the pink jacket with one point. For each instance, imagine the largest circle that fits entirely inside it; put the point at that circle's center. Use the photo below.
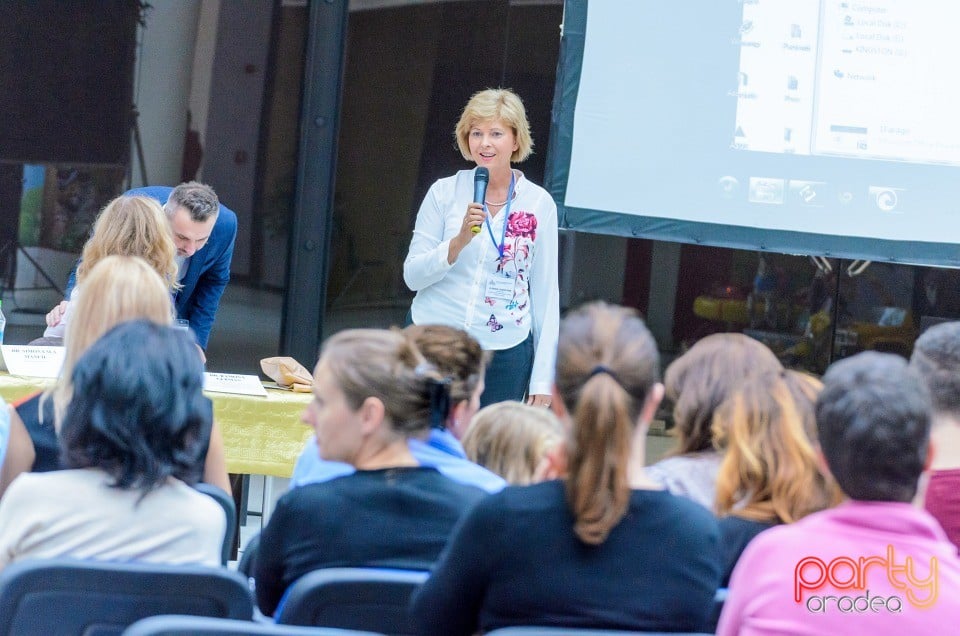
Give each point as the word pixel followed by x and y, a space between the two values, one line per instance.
pixel 861 568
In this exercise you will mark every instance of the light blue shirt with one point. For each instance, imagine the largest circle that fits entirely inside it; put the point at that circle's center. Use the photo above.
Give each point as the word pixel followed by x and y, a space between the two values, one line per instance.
pixel 441 450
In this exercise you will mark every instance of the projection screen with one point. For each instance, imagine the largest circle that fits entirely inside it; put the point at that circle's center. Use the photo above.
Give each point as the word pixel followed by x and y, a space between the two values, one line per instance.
pixel 823 127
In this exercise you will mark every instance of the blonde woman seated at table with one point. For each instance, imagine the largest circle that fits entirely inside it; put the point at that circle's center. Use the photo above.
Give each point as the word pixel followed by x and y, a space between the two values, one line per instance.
pixel 603 547
pixel 512 439
pixel 373 390
pixel 696 383
pixel 770 474
pixel 127 226
pixel 118 288
pixel 132 448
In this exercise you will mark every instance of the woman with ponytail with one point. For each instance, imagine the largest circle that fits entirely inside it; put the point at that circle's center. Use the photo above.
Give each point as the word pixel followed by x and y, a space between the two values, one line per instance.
pixel 373 391
pixel 601 547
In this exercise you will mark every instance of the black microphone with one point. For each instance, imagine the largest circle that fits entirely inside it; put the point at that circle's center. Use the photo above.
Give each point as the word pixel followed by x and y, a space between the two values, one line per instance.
pixel 480 180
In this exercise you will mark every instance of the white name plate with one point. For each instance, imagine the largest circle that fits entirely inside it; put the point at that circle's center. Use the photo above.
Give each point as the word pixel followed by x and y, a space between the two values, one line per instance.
pixel 36 362
pixel 233 383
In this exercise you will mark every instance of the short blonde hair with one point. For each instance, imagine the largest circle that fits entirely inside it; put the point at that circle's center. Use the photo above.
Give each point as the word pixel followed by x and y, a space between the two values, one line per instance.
pixel 511 438
pixel 132 226
pixel 490 105
pixel 116 289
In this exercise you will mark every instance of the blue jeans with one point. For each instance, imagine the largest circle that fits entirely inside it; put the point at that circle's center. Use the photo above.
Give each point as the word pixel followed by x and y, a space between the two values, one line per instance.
pixel 508 374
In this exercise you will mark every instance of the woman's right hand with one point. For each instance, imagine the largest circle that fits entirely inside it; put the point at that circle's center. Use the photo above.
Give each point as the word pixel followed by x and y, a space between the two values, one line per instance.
pixel 56 314
pixel 472 226
pixel 472 221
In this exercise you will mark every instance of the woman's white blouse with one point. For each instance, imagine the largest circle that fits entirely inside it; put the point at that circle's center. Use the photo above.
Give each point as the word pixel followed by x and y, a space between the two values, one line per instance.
pixel 498 302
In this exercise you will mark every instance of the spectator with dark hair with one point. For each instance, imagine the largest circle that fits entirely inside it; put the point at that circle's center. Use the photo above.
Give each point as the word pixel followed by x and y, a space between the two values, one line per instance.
pixel 874 564
pixel 603 547
pixel 936 357
pixel 696 383
pixel 373 390
pixel 132 447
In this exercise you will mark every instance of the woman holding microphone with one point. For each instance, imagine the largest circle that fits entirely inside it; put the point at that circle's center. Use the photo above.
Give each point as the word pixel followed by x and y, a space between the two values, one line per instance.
pixel 489 266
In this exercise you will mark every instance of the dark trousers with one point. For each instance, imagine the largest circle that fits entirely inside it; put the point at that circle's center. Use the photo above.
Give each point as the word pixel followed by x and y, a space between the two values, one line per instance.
pixel 508 374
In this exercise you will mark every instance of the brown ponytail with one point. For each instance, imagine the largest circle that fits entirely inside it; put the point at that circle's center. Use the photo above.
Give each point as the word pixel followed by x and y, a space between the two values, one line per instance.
pixel 607 363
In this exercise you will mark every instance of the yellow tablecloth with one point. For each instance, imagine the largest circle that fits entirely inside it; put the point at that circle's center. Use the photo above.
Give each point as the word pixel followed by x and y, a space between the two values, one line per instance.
pixel 13 387
pixel 261 435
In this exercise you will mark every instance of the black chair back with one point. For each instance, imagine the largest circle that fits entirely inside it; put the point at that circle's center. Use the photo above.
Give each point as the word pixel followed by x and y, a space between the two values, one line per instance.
pixel 92 598
pixel 230 510
pixel 204 626
pixel 372 599
pixel 249 557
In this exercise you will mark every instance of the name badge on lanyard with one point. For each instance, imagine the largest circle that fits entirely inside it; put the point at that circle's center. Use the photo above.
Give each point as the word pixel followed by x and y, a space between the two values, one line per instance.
pixel 499 288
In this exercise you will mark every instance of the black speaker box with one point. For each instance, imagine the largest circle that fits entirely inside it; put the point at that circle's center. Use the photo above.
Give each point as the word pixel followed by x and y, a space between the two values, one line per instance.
pixel 66 80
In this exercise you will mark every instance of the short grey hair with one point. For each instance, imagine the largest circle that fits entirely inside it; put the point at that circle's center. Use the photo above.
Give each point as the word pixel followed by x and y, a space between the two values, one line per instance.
pixel 198 198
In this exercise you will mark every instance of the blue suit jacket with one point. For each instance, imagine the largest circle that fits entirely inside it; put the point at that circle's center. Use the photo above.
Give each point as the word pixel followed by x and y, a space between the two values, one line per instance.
pixel 208 273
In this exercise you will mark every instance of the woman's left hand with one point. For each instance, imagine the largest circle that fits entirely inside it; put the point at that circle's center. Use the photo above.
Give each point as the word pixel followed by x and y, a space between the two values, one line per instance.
pixel 538 399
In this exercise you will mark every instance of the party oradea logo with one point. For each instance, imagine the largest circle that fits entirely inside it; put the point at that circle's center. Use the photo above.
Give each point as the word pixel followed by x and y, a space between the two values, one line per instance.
pixel 843 584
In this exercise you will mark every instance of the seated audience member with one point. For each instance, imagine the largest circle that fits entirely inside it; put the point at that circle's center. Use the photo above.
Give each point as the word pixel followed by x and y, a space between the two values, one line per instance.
pixel 373 390
pixel 769 474
pixel 458 357
pixel 936 357
pixel 127 226
pixel 604 547
pixel 875 564
pixel 203 231
pixel 116 289
pixel 512 439
pixel 131 446
pixel 697 382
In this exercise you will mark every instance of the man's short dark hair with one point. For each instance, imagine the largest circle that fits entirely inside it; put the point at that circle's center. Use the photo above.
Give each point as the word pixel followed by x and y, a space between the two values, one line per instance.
pixel 936 358
pixel 138 411
pixel 199 200
pixel 873 422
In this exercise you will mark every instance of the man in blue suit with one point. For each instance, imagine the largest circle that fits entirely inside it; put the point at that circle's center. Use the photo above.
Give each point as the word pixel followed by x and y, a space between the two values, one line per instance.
pixel 204 232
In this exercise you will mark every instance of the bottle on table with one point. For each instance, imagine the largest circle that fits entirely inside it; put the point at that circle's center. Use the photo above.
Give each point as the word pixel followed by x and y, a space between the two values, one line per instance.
pixel 3 322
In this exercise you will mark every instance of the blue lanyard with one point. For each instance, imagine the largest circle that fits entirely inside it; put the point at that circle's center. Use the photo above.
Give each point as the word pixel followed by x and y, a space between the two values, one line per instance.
pixel 506 217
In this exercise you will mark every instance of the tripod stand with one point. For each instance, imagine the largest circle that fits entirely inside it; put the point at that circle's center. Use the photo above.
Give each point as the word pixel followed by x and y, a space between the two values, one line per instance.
pixel 8 257
pixel 138 146
pixel 11 191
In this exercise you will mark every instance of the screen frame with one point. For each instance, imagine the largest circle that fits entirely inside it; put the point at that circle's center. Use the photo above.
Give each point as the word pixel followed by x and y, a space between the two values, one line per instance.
pixel 569 69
